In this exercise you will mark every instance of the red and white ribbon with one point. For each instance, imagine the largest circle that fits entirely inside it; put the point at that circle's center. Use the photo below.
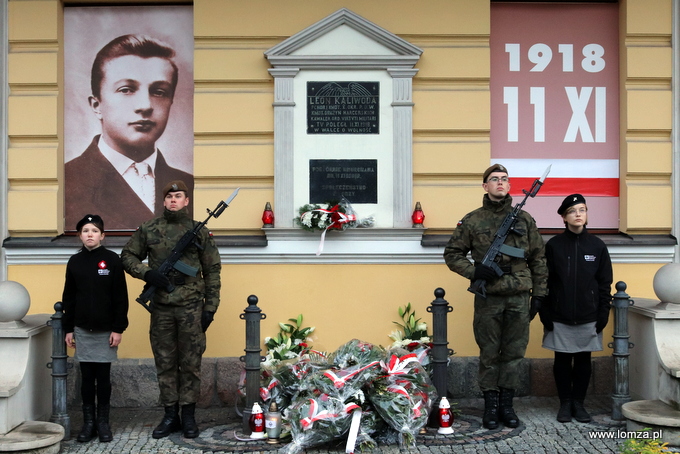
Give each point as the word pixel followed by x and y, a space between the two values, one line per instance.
pixel 315 415
pixel 397 366
pixel 337 220
pixel 265 393
pixel 340 380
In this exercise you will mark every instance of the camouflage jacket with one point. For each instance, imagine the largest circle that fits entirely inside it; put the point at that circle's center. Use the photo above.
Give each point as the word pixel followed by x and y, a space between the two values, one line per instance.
pixel 156 238
pixel 475 233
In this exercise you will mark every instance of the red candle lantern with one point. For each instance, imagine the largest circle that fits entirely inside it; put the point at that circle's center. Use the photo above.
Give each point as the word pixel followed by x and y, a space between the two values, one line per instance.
pixel 418 217
pixel 445 417
pixel 267 217
pixel 256 422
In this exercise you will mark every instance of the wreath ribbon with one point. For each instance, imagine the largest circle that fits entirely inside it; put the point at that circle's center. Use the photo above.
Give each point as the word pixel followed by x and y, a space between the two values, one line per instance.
pixel 265 393
pixel 339 382
pixel 315 415
pixel 397 366
pixel 337 220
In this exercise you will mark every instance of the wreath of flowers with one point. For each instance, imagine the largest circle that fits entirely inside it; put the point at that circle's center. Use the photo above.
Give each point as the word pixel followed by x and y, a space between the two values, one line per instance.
pixel 325 216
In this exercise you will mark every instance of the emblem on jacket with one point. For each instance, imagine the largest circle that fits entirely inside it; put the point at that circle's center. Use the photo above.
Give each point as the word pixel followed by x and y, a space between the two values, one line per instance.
pixel 103 269
pixel 589 258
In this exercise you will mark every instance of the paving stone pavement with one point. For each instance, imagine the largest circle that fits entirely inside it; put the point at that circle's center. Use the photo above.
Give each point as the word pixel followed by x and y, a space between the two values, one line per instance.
pixel 221 429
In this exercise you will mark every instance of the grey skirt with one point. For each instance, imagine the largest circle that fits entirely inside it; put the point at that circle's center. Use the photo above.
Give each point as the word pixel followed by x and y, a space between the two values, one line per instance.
pixel 572 338
pixel 93 346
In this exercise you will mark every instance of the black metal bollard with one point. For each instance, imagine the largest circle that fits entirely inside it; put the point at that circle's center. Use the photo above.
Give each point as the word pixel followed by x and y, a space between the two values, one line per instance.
pixel 252 315
pixel 59 366
pixel 621 302
pixel 440 351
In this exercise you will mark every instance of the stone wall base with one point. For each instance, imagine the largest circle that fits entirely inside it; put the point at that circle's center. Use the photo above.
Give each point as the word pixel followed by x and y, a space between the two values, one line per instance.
pixel 135 385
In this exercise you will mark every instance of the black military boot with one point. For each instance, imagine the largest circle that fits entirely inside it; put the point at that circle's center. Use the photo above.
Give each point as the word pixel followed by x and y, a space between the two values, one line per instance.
pixel 508 415
pixel 189 426
pixel 564 413
pixel 490 419
pixel 170 422
pixel 103 427
pixel 579 412
pixel 89 430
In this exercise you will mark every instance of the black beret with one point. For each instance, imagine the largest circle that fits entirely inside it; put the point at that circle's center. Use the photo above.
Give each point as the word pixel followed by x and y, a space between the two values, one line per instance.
pixel 175 186
pixel 91 219
pixel 493 168
pixel 570 201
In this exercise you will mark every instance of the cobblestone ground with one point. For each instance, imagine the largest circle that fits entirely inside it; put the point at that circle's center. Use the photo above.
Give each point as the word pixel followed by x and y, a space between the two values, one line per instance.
pixel 221 429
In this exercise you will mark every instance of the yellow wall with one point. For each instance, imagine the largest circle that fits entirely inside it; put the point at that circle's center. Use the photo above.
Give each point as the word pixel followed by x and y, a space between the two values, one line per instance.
pixel 342 302
pixel 234 147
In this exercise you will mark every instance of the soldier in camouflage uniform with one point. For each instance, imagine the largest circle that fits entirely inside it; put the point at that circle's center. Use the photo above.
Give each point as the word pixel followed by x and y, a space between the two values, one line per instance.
pixel 501 320
pixel 180 318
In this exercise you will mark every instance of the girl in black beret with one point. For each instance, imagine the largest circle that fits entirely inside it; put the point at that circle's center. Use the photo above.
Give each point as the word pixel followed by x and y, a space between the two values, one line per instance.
pixel 576 309
pixel 95 315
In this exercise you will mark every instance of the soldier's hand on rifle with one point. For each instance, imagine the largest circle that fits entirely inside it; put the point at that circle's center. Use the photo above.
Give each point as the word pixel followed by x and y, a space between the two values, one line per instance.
pixel 536 304
pixel 484 273
pixel 206 319
pixel 156 278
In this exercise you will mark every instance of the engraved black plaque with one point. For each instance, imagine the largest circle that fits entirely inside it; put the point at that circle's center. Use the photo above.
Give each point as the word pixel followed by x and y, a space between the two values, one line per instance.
pixel 343 107
pixel 355 179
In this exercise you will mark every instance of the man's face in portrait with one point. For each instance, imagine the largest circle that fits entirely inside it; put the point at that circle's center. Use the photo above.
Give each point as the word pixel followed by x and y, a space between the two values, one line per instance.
pixel 134 104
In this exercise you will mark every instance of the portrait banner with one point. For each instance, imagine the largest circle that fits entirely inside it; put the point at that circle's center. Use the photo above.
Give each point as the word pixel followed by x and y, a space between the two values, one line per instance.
pixel 128 111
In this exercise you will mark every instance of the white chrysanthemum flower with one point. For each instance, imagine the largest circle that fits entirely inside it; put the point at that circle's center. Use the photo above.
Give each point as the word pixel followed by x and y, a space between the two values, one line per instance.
pixel 306 219
pixel 425 340
pixel 421 326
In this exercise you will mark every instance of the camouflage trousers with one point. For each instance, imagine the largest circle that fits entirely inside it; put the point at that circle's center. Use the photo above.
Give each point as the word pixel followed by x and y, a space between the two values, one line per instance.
pixel 501 329
pixel 178 343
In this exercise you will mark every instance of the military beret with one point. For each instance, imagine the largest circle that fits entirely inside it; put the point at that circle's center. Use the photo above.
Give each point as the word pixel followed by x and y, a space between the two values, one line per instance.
pixel 570 201
pixel 174 186
pixel 493 168
pixel 94 219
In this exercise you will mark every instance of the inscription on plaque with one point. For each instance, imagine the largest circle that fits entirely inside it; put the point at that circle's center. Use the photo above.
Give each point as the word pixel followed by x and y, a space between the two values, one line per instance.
pixel 355 179
pixel 343 107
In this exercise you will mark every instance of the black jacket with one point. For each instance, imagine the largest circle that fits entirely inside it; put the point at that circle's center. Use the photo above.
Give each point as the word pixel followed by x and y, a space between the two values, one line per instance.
pixel 95 293
pixel 579 279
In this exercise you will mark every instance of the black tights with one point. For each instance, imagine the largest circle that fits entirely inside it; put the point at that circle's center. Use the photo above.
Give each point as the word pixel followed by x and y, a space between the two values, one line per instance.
pixel 572 375
pixel 96 379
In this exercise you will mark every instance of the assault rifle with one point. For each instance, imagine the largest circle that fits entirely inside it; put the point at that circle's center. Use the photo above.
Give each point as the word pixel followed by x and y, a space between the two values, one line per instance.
pixel 498 246
pixel 173 261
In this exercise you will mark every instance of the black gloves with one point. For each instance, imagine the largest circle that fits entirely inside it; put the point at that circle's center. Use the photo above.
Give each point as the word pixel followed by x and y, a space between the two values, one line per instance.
pixel 156 278
pixel 206 319
pixel 485 273
pixel 547 322
pixel 601 323
pixel 536 303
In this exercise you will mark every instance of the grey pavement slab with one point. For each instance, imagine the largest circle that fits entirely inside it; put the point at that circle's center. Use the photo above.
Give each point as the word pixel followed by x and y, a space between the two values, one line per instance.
pixel 221 433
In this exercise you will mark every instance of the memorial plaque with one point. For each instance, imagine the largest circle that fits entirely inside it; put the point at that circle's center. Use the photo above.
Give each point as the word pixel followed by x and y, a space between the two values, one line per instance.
pixel 343 107
pixel 355 179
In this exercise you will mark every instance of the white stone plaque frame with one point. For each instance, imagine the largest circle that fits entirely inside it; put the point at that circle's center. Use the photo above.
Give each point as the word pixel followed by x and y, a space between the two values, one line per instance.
pixel 365 49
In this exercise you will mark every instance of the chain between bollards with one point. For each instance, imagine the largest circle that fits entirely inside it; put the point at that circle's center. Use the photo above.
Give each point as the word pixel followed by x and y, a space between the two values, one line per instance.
pixel 620 302
pixel 252 315
pixel 440 352
pixel 59 366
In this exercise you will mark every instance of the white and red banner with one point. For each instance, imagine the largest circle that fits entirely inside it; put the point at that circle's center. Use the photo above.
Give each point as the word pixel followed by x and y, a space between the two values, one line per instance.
pixel 555 101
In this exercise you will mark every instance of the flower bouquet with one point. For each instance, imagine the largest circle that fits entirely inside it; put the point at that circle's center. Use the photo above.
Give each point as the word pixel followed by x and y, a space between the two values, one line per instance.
pixel 413 336
pixel 329 216
pixel 403 396
pixel 317 420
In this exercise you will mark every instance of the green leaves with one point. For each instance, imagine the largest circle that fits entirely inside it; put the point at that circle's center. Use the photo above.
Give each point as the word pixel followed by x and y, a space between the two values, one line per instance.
pixel 412 326
pixel 290 342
